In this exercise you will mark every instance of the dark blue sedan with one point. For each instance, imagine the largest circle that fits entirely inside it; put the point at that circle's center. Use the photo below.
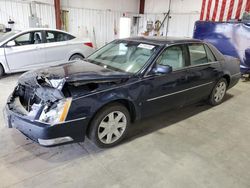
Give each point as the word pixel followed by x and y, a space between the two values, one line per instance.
pixel 124 81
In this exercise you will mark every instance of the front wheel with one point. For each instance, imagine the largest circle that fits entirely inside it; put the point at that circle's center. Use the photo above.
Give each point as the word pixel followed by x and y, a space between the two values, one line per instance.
pixel 218 92
pixel 109 126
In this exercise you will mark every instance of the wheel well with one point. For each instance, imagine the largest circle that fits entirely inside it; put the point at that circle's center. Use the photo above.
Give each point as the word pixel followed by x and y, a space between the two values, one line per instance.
pixel 2 67
pixel 129 105
pixel 76 54
pixel 227 77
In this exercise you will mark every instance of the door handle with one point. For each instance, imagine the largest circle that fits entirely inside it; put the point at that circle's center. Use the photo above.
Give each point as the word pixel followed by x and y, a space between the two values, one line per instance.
pixel 37 47
pixel 184 78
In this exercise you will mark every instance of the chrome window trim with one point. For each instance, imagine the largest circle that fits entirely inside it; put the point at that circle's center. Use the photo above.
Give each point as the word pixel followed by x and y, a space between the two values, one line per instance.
pixel 181 91
pixel 180 69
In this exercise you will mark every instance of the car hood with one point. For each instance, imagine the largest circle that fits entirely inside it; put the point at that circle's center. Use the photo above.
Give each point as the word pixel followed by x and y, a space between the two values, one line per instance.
pixel 48 83
pixel 76 73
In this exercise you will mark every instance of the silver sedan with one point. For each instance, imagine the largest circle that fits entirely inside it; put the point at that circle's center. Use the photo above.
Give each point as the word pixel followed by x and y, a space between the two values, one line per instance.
pixel 37 48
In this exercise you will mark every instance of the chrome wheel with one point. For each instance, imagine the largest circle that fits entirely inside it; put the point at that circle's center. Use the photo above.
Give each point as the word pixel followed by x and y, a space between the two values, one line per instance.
pixel 112 127
pixel 220 91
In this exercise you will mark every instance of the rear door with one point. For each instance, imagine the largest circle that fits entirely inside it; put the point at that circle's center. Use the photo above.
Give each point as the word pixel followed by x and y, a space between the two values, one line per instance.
pixel 56 47
pixel 202 73
pixel 26 54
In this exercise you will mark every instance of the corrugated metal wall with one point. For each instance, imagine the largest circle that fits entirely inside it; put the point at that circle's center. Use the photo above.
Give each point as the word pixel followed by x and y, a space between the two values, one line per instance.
pixel 84 22
pixel 20 11
pixel 46 14
pixel 98 25
pixel 180 24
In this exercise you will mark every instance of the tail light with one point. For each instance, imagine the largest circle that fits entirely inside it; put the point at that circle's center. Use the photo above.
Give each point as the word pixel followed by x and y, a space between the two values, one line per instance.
pixel 89 44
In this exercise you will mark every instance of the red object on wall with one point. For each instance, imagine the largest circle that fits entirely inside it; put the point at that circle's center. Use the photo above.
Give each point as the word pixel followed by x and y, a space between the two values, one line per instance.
pixel 203 9
pixel 58 14
pixel 142 6
pixel 223 10
pixel 230 11
pixel 208 9
pixel 215 10
pixel 239 9
pixel 248 6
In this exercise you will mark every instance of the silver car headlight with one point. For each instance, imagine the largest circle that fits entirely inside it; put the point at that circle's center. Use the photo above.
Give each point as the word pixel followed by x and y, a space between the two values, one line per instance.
pixel 56 114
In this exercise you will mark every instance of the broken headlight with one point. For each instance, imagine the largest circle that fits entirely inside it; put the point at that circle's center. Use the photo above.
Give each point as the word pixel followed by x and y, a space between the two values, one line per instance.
pixel 56 113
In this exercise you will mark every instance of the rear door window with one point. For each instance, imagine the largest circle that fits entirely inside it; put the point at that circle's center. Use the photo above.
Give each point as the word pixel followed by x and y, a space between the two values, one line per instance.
pixel 198 54
pixel 54 36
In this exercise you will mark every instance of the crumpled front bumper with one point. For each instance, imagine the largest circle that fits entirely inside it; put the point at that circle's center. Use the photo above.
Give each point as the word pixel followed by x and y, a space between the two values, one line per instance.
pixel 45 134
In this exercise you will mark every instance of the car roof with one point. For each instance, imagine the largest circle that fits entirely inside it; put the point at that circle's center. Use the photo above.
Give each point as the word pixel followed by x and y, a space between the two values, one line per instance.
pixel 40 29
pixel 162 40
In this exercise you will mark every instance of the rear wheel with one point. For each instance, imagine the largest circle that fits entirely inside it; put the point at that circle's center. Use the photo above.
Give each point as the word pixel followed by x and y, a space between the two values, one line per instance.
pixel 76 57
pixel 1 71
pixel 218 92
pixel 109 126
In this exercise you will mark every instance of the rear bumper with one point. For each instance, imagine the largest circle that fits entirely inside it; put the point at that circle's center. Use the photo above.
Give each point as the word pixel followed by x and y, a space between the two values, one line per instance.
pixel 234 80
pixel 244 69
pixel 45 134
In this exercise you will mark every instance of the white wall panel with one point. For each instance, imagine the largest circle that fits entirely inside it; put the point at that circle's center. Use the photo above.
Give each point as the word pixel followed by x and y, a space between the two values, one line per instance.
pixel 46 14
pixel 177 6
pixel 19 12
pixel 183 14
pixel 182 25
pixel 114 5
pixel 84 22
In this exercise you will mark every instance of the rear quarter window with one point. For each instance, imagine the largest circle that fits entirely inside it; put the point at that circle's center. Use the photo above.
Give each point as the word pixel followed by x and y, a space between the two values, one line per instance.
pixel 210 55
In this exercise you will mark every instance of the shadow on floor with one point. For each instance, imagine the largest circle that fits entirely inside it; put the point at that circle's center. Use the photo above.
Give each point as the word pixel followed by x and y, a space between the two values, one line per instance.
pixel 165 119
pixel 138 129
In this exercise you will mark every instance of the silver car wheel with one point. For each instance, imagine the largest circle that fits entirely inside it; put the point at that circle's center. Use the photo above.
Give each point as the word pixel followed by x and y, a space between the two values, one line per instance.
pixel 220 91
pixel 112 127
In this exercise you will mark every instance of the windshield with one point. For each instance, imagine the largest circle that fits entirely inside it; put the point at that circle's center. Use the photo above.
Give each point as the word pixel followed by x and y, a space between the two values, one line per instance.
pixel 125 56
pixel 5 36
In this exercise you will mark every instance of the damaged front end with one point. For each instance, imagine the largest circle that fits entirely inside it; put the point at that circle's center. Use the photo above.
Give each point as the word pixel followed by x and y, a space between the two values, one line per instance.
pixel 38 108
pixel 40 99
pixel 40 104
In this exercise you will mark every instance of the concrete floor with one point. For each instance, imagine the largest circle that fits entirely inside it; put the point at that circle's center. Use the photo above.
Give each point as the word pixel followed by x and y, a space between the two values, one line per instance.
pixel 197 146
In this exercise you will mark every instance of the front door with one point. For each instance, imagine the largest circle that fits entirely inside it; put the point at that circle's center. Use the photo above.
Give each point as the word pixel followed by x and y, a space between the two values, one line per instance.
pixel 163 92
pixel 26 54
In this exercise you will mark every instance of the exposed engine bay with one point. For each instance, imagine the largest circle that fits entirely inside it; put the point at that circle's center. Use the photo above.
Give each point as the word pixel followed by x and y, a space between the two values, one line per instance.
pixel 34 92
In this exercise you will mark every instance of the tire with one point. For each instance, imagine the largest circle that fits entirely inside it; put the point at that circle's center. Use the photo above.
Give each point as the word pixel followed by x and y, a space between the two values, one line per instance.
pixel 1 71
pixel 218 92
pixel 76 57
pixel 106 133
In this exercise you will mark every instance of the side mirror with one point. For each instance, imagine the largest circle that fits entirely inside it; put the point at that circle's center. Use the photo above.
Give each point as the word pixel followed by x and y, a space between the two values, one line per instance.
pixel 162 69
pixel 11 43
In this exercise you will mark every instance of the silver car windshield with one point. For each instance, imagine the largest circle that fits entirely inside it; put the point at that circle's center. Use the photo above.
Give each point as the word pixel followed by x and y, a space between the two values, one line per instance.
pixel 6 36
pixel 124 56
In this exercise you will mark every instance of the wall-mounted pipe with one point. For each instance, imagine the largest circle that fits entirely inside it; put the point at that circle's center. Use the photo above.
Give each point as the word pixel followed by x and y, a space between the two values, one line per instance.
pixel 142 7
pixel 58 14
